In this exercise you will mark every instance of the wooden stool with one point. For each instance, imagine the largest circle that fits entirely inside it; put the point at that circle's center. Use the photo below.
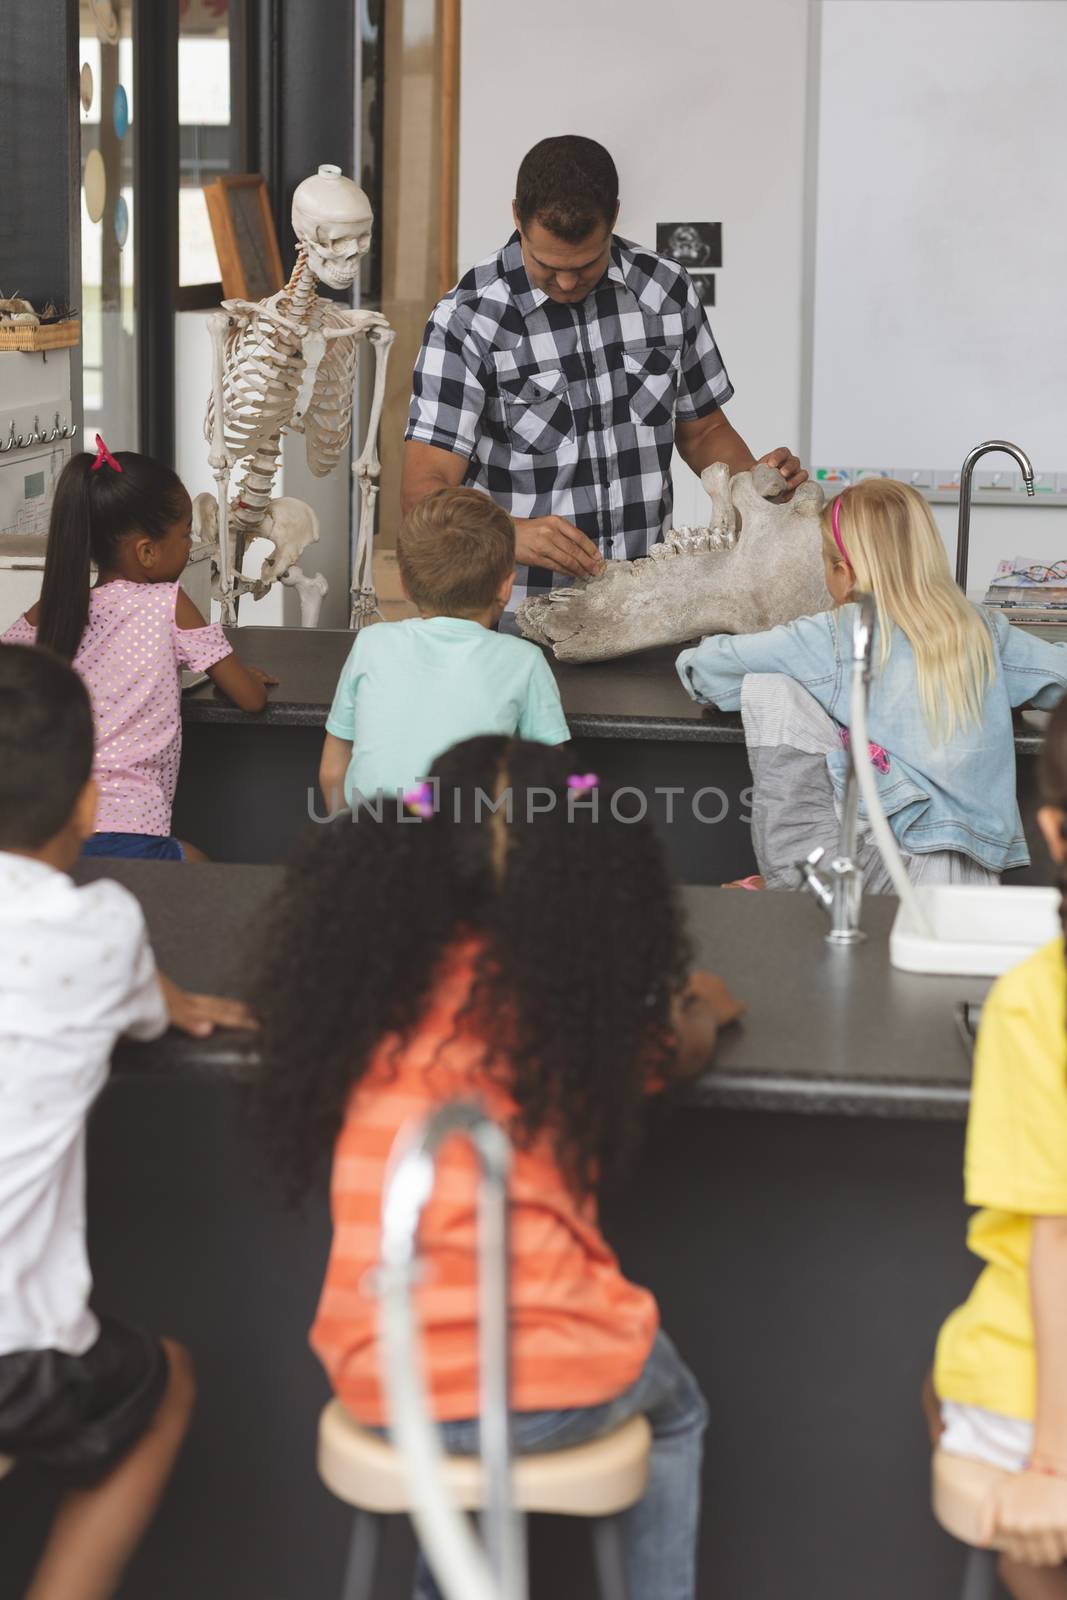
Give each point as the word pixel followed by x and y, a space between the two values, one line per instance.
pixel 960 1486
pixel 596 1480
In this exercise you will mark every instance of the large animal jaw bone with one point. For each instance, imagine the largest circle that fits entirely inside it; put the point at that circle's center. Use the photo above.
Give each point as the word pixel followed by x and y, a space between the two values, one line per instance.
pixel 757 564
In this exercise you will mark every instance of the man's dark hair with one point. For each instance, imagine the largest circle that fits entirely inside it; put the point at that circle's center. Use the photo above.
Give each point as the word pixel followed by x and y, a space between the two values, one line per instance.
pixel 569 185
pixel 46 745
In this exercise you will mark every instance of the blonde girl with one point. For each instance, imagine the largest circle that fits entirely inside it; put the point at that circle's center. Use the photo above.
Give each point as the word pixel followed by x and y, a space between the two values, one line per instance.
pixel 946 677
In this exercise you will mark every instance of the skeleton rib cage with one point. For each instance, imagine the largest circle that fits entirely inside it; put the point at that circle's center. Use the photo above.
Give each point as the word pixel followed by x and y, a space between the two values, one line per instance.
pixel 264 373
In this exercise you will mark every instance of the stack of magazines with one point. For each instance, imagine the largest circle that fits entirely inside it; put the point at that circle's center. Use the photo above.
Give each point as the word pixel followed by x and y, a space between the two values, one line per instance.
pixel 1030 592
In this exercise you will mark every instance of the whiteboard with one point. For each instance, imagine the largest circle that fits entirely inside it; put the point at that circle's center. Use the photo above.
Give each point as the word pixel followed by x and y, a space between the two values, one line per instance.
pixel 940 248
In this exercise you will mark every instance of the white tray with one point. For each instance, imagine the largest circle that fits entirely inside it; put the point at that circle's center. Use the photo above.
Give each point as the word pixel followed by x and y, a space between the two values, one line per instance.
pixel 979 931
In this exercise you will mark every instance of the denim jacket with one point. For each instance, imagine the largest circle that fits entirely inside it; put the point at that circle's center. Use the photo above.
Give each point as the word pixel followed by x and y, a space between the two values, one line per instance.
pixel 958 795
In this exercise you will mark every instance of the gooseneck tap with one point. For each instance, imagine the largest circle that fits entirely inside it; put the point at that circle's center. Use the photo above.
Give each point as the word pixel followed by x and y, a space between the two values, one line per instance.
pixel 839 888
pixel 963 534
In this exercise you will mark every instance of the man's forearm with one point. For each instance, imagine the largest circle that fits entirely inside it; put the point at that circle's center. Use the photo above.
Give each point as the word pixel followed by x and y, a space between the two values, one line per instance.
pixel 715 440
pixel 415 487
pixel 427 469
pixel 1048 1297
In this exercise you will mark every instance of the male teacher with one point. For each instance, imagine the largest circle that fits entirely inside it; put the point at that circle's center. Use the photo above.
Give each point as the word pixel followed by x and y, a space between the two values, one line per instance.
pixel 559 373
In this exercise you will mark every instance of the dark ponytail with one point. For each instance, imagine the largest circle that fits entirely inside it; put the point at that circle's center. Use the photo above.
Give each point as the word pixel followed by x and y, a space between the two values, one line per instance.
pixel 92 512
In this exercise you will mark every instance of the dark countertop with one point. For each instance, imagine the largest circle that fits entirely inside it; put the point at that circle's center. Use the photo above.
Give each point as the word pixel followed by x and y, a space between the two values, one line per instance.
pixel 635 697
pixel 831 1032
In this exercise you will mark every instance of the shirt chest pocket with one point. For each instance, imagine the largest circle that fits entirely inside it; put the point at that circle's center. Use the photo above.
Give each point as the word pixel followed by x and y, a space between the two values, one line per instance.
pixel 537 412
pixel 652 383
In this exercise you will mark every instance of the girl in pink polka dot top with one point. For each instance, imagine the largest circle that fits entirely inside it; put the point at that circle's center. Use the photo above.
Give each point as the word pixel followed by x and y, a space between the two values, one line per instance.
pixel 129 635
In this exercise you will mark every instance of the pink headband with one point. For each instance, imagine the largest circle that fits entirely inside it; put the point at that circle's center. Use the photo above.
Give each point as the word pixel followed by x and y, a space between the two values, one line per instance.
pixel 103 454
pixel 835 521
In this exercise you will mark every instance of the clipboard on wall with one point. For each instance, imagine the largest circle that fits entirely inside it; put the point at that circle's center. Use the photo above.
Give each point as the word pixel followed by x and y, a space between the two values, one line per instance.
pixel 249 263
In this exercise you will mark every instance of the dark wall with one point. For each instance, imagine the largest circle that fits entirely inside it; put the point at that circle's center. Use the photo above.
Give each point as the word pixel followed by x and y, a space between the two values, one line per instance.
pixel 39 150
pixel 306 85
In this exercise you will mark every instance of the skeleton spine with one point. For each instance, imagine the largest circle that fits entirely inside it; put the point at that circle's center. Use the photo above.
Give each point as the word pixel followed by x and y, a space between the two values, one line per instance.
pixel 277 354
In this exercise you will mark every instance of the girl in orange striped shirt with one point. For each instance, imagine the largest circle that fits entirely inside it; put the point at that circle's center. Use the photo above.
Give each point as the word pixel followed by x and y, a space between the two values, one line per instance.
pixel 531 954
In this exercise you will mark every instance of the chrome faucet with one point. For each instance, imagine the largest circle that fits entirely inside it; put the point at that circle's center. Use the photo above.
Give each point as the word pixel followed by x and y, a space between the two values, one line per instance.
pixel 839 888
pixel 963 535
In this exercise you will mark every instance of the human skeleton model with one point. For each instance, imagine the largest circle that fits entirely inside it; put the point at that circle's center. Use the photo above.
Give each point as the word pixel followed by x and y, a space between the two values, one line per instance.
pixel 719 579
pixel 289 364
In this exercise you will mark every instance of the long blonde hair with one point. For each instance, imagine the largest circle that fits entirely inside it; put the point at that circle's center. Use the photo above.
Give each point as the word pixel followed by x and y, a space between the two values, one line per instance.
pixel 895 553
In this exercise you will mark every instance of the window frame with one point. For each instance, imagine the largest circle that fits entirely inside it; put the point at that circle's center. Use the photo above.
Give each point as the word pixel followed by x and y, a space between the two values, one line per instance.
pixel 159 296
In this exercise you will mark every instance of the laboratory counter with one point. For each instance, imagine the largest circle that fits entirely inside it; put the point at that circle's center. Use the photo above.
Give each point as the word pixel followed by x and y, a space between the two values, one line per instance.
pixel 802 1264
pixel 248 784
pixel 877 1043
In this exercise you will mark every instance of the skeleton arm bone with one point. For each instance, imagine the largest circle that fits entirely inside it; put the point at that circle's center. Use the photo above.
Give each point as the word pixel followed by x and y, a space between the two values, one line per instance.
pixel 356 324
pixel 367 469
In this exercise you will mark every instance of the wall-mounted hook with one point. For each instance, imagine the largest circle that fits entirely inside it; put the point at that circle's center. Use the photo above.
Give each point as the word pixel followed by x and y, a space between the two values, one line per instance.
pixel 56 430
pixel 36 437
pixel 11 441
pixel 68 433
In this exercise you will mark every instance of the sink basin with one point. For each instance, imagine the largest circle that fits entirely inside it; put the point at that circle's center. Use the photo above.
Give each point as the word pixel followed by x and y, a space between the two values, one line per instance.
pixel 979 931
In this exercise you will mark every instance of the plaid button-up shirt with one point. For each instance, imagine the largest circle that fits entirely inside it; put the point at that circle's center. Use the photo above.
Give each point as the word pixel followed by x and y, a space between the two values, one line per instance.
pixel 569 410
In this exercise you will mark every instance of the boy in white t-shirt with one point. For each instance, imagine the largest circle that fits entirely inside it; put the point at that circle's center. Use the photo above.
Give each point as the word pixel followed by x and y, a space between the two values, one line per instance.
pixel 99 1406
pixel 411 690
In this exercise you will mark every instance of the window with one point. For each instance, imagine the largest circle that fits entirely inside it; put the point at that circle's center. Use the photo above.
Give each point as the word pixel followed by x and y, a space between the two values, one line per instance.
pixel 212 136
pixel 108 287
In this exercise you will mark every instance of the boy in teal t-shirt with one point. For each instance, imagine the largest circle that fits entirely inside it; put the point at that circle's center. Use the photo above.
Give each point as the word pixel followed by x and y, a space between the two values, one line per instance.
pixel 410 690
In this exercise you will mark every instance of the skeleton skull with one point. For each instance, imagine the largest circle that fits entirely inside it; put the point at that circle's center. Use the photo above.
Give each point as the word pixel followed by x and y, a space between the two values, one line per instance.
pixel 333 218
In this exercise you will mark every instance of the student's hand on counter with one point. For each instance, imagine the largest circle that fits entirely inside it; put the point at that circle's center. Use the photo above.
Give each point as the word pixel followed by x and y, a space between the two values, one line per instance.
pixel 263 676
pixel 245 686
pixel 201 1014
pixel 702 1008
pixel 1027 1515
pixel 555 543
pixel 705 989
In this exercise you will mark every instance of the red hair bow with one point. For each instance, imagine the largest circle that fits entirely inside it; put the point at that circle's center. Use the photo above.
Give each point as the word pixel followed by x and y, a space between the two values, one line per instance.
pixel 103 454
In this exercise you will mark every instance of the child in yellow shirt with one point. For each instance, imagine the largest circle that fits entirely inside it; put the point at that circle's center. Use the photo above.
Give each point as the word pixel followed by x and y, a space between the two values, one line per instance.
pixel 1000 1372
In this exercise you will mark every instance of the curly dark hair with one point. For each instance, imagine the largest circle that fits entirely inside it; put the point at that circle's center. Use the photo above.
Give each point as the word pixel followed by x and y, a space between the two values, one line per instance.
pixel 582 952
